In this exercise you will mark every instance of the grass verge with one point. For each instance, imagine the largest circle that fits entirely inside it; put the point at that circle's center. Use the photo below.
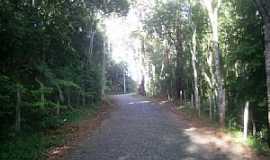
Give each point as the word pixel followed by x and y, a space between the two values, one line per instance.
pixel 257 144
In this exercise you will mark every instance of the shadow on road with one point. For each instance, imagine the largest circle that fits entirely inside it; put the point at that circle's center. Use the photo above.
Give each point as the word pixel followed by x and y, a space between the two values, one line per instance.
pixel 142 129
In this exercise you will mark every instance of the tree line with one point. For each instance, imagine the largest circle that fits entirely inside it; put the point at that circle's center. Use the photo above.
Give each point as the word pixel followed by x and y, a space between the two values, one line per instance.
pixel 53 59
pixel 212 55
pixel 118 81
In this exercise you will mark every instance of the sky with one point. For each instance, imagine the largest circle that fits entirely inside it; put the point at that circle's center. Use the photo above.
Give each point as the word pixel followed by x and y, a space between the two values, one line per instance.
pixel 119 30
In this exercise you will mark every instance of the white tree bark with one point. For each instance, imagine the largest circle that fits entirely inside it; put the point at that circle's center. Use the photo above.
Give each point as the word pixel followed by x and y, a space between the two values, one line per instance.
pixel 195 73
pixel 91 43
pixel 212 7
pixel 246 119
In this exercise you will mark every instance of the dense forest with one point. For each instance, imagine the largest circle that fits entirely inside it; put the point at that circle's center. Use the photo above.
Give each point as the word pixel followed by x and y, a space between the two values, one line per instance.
pixel 118 81
pixel 53 61
pixel 212 56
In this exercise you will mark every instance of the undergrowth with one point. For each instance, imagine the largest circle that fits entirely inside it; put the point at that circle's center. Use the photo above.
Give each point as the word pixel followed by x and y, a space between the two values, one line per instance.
pixel 34 145
pixel 257 144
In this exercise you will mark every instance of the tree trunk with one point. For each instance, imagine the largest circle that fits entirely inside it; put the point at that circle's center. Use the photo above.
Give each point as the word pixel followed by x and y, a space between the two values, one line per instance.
pixel 69 97
pixel 184 97
pixel 254 129
pixel 79 98
pixel 218 71
pixel 191 101
pixel 42 94
pixel 267 65
pixel 142 88
pixel 154 80
pixel 91 45
pixel 246 117
pixel 181 97
pixel 60 100
pixel 178 43
pixel 210 108
pixel 18 110
pixel 195 74
pixel 168 95
pixel 213 8
pixel 253 121
pixel 58 108
pixel 221 101
pixel 83 98
pixel 264 8
pixel 214 107
pixel 179 63
pixel 103 80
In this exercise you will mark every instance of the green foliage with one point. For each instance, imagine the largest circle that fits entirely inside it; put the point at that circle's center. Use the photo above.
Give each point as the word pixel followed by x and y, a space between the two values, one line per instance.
pixel 65 83
pixel 243 62
pixel 26 147
pixel 258 145
pixel 115 78
pixel 34 146
pixel 48 67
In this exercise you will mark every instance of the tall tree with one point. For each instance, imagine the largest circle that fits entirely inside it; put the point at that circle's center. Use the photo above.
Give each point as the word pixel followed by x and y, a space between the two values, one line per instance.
pixel 194 57
pixel 51 52
pixel 264 8
pixel 213 7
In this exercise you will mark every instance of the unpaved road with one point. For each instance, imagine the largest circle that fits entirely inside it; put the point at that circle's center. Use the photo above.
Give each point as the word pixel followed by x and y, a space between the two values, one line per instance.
pixel 140 129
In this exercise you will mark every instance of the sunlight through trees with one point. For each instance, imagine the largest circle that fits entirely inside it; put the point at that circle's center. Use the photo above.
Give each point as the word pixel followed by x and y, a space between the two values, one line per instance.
pixel 210 56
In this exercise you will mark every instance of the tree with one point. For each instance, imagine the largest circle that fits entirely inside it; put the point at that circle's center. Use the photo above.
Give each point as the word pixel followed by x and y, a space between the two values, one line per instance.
pixel 264 8
pixel 213 7
pixel 52 58
pixel 117 79
pixel 222 44
pixel 194 58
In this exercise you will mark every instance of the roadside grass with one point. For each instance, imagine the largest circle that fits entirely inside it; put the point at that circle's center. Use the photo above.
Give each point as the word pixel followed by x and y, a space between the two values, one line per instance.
pixel 34 145
pixel 191 113
pixel 257 144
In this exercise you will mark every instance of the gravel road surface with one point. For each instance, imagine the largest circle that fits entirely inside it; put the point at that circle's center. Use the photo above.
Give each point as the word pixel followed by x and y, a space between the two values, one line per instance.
pixel 141 129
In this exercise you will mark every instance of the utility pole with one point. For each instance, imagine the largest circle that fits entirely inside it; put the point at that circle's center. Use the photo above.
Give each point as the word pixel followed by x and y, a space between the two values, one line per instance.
pixel 124 77
pixel 103 81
